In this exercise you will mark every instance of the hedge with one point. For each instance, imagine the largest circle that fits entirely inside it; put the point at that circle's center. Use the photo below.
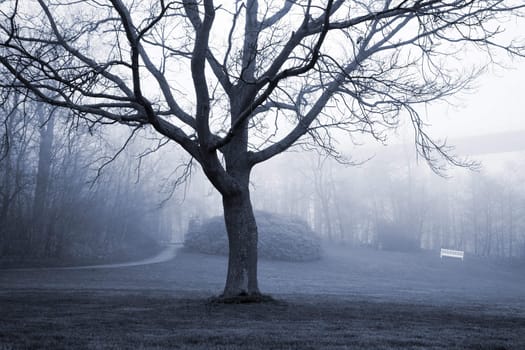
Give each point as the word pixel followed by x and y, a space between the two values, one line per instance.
pixel 280 238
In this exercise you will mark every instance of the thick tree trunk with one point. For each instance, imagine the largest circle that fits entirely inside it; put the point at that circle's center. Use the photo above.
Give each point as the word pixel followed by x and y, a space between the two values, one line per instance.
pixel 242 237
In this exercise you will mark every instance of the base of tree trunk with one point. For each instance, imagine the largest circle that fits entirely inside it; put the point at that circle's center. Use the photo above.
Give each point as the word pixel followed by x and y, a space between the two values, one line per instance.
pixel 242 298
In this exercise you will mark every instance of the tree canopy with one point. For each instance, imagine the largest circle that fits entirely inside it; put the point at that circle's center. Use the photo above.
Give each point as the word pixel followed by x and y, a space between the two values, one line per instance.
pixel 306 66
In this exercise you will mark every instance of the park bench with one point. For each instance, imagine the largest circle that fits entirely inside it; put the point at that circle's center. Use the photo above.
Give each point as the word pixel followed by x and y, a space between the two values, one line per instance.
pixel 452 253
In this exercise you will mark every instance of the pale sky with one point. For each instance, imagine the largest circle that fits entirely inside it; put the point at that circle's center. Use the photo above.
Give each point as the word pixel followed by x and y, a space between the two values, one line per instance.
pixel 497 105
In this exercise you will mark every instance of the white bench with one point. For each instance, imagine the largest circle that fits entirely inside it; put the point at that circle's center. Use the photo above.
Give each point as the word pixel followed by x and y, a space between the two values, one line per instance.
pixel 452 253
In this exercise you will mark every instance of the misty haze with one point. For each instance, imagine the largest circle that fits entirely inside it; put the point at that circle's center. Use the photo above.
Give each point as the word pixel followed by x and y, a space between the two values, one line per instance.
pixel 260 174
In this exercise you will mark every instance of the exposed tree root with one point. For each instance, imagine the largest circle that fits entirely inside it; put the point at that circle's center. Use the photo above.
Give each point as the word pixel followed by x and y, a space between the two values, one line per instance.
pixel 242 298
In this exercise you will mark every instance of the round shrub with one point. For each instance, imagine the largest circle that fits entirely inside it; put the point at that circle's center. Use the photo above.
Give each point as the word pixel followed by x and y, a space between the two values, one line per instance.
pixel 280 238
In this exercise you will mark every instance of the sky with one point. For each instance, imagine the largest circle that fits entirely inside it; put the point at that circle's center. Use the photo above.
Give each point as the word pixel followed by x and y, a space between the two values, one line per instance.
pixel 482 124
pixel 496 105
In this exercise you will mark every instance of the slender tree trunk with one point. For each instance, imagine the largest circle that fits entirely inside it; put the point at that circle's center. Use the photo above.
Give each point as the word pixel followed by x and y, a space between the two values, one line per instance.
pixel 40 232
pixel 242 237
pixel 6 190
pixel 44 169
pixel 5 193
pixel 511 226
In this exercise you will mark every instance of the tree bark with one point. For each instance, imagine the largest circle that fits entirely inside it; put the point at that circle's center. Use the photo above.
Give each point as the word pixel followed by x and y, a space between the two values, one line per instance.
pixel 242 237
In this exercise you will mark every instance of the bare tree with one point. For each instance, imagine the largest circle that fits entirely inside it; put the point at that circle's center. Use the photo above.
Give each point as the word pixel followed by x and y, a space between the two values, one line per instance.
pixel 239 82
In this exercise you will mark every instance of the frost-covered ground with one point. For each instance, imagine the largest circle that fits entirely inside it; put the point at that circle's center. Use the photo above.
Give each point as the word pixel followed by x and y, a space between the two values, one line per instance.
pixel 355 298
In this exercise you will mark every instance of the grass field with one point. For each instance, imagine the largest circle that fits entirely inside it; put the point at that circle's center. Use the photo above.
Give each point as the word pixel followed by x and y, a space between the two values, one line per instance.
pixel 351 299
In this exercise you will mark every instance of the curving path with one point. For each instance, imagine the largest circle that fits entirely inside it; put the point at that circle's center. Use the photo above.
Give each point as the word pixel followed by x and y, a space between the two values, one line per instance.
pixel 166 254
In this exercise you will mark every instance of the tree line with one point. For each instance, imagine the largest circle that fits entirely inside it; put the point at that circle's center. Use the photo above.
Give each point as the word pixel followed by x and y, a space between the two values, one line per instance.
pixel 399 204
pixel 69 191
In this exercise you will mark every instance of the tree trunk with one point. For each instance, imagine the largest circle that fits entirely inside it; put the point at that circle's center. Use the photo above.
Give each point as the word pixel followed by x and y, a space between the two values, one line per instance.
pixel 44 169
pixel 6 190
pixel 242 237
pixel 40 233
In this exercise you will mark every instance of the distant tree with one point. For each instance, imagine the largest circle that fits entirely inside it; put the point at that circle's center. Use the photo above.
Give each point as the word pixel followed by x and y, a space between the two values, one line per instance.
pixel 41 200
pixel 237 82
pixel 15 152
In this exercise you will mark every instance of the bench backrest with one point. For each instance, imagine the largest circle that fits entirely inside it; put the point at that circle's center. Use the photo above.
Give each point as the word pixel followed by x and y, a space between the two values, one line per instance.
pixel 452 253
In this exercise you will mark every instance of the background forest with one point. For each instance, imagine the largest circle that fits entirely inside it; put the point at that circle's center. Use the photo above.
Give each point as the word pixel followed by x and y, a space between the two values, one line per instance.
pixel 394 203
pixel 71 191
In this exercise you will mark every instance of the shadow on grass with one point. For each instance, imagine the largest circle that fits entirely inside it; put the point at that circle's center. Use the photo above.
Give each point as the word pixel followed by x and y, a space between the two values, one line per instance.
pixel 159 320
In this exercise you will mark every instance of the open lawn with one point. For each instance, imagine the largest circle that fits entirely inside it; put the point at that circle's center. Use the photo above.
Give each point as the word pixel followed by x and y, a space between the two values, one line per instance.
pixel 350 299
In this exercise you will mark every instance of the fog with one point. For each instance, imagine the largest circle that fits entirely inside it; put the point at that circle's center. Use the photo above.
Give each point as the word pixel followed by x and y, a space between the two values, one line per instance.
pixel 74 188
pixel 74 192
pixel 208 174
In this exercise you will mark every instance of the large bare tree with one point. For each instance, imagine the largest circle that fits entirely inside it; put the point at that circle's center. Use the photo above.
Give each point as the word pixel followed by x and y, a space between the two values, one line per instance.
pixel 235 83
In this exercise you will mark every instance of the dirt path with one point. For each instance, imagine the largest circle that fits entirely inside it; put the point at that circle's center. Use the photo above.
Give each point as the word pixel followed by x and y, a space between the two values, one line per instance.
pixel 166 254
